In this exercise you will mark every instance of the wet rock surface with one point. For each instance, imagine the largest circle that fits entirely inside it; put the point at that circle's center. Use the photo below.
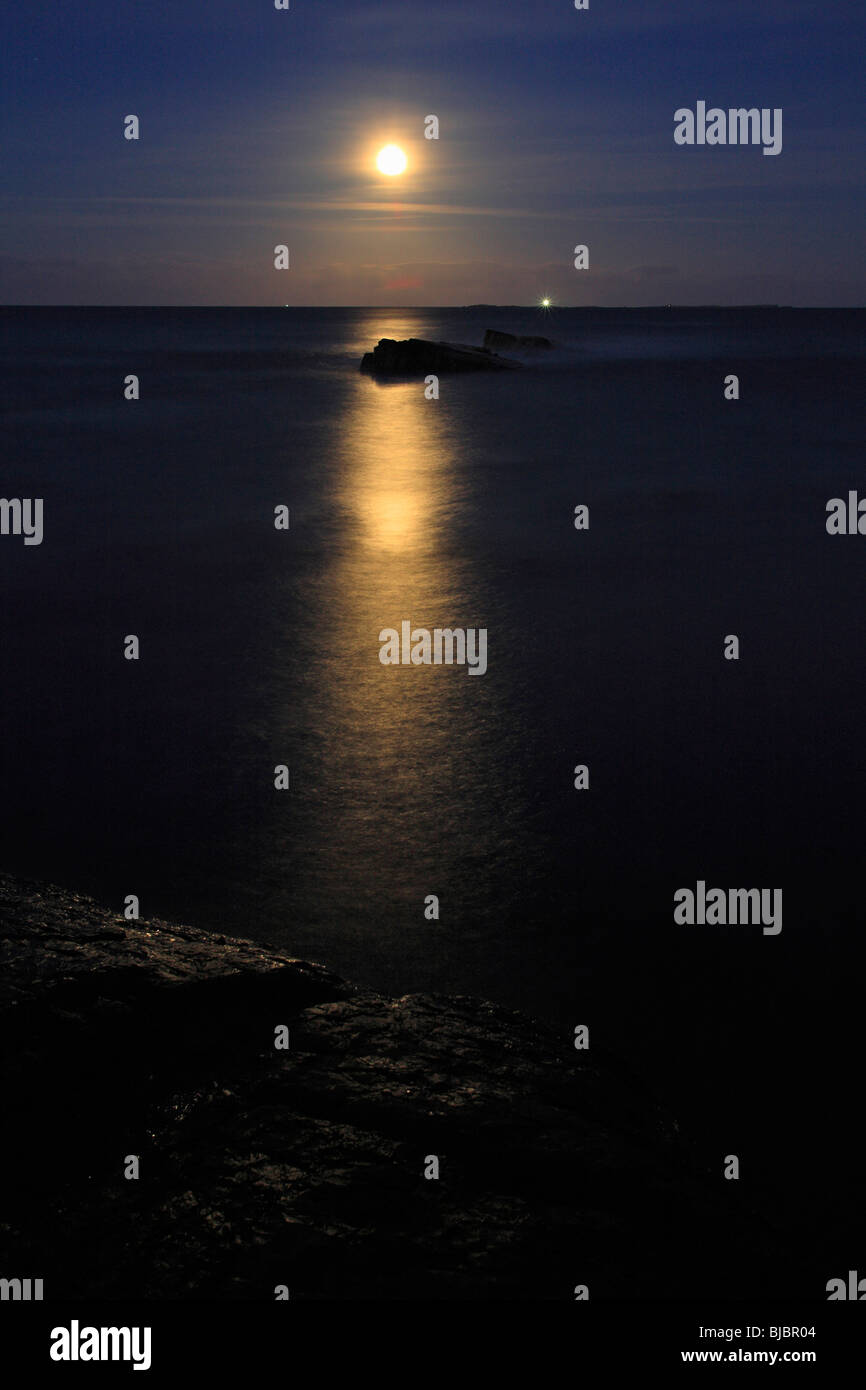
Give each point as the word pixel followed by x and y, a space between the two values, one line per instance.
pixel 306 1167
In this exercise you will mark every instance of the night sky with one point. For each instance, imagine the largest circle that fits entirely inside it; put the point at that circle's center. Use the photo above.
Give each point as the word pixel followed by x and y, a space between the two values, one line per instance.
pixel 261 127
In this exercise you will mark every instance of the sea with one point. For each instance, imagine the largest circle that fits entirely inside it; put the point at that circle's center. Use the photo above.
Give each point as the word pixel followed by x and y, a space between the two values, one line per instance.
pixel 431 836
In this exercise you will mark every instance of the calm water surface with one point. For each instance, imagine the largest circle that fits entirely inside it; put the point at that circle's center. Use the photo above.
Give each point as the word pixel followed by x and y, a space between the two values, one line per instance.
pixel 604 647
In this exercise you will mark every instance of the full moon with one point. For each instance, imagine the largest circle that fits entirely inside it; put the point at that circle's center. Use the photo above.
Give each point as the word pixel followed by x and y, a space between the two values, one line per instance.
pixel 391 160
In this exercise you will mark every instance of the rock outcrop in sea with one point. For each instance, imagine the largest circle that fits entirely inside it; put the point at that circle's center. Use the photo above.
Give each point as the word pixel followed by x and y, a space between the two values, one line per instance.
pixel 495 338
pixel 305 1167
pixel 414 357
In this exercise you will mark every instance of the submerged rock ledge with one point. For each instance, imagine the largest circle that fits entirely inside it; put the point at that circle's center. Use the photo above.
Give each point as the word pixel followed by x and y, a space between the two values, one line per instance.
pixel 306 1167
pixel 496 338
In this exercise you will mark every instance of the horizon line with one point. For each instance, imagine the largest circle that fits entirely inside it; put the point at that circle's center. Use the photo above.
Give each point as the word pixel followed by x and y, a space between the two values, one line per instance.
pixel 551 309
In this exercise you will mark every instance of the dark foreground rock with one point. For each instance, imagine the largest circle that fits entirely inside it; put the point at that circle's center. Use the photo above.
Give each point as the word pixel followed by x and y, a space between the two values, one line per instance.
pixel 417 357
pixel 494 338
pixel 306 1167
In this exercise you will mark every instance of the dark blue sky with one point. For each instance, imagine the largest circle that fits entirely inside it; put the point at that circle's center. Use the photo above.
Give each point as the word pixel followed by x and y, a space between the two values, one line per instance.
pixel 261 127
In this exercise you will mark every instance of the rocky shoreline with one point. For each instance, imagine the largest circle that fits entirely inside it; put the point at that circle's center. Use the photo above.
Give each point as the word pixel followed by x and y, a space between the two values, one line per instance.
pixel 305 1167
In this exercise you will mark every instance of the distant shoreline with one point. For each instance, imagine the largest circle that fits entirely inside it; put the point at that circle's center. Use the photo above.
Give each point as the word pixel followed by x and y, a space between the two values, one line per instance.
pixel 449 308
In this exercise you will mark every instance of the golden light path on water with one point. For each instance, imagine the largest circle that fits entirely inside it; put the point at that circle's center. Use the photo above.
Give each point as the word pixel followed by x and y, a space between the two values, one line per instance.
pixel 406 780
pixel 406 741
pixel 399 488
